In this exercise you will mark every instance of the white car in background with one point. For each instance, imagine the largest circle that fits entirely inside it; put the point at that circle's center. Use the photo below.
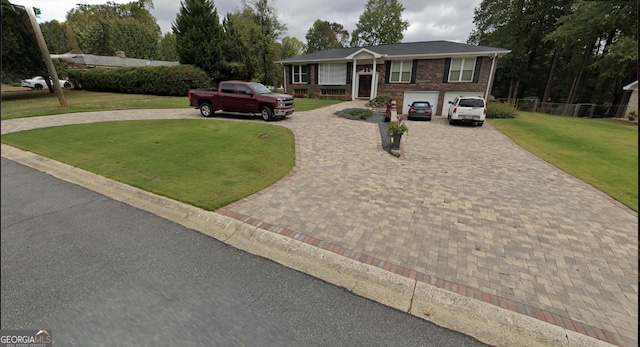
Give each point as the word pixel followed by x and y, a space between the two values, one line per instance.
pixel 472 109
pixel 38 83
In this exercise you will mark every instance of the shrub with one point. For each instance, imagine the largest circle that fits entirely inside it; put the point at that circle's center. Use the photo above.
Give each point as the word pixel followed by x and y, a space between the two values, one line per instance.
pixel 361 113
pixel 153 80
pixel 501 110
pixel 380 100
pixel 632 116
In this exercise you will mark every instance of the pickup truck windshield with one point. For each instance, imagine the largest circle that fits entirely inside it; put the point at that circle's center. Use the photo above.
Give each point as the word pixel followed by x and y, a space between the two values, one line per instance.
pixel 260 89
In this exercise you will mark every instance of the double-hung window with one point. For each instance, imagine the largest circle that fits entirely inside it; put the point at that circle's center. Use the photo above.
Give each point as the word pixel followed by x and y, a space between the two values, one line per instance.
pixel 462 69
pixel 300 74
pixel 400 71
pixel 332 74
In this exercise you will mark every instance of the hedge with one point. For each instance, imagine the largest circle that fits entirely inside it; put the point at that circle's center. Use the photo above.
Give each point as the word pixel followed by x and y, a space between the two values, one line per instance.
pixel 153 80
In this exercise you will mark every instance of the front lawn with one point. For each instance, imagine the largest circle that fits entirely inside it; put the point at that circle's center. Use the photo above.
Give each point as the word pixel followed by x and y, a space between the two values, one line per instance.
pixel 200 162
pixel 601 152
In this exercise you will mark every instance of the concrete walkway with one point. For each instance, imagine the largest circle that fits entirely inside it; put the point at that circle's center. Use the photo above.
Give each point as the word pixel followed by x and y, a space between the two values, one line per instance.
pixel 466 229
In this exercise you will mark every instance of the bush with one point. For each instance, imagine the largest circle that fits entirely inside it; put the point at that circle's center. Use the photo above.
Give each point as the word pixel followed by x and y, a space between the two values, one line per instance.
pixel 380 100
pixel 501 110
pixel 153 80
pixel 361 113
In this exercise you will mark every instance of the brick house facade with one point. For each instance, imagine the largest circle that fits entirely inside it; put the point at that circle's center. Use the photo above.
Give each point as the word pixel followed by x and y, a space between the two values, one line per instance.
pixel 435 71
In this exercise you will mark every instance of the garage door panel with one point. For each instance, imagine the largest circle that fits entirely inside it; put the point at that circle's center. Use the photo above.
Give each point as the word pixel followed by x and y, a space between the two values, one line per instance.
pixel 410 97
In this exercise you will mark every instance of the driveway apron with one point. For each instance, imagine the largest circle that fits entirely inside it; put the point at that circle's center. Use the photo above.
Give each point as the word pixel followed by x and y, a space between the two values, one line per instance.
pixel 463 207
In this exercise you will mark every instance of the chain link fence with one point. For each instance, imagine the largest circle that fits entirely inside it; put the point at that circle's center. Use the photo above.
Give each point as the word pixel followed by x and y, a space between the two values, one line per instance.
pixel 606 110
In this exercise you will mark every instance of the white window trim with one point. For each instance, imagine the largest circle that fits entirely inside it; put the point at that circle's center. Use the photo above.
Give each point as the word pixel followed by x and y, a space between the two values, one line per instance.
pixel 297 77
pixel 464 63
pixel 402 68
pixel 332 74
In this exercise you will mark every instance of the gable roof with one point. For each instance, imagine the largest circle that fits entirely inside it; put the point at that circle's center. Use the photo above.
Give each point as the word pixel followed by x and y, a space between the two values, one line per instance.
pixel 426 49
pixel 631 86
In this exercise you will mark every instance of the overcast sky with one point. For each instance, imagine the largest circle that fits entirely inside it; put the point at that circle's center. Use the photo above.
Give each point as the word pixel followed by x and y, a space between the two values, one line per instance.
pixel 450 20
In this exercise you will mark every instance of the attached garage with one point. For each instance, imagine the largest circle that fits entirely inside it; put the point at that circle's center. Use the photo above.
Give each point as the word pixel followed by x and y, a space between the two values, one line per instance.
pixel 411 96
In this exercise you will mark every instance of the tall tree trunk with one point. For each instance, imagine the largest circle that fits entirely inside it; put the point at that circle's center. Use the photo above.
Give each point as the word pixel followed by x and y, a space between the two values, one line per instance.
pixel 576 81
pixel 552 72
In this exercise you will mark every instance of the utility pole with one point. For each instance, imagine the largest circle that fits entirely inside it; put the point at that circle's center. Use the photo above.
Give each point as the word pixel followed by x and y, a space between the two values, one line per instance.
pixel 47 58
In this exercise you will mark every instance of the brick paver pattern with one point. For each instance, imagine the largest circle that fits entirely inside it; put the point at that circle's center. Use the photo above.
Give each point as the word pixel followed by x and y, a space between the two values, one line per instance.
pixel 463 205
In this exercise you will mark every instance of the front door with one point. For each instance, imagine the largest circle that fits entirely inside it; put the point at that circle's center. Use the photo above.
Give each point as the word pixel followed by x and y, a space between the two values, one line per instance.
pixel 364 86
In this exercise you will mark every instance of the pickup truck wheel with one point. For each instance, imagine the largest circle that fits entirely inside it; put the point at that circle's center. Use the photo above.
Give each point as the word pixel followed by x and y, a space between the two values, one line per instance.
pixel 267 113
pixel 38 86
pixel 206 110
pixel 480 123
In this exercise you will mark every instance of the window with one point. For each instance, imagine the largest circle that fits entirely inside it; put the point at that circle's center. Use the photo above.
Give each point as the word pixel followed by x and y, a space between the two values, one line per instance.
pixel 332 74
pixel 333 92
pixel 227 88
pixel 462 69
pixel 300 74
pixel 400 71
pixel 242 89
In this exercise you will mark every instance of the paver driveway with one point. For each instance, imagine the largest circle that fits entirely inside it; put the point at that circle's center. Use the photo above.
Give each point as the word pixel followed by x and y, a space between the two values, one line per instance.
pixel 464 208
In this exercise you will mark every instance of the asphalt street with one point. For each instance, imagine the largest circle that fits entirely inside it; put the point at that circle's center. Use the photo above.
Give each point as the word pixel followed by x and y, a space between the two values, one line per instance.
pixel 100 272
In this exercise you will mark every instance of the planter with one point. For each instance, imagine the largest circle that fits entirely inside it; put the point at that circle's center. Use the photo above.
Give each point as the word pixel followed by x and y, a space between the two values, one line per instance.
pixel 395 140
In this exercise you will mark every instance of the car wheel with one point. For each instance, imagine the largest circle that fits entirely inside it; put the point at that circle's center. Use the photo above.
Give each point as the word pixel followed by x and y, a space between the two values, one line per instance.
pixel 429 119
pixel 67 85
pixel 480 123
pixel 206 110
pixel 267 113
pixel 38 87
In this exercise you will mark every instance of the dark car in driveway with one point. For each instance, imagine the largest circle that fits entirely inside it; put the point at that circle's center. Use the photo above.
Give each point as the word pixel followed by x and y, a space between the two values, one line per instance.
pixel 420 110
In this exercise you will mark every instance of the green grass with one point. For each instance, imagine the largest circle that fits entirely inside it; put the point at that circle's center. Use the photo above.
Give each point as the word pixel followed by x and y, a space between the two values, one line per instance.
pixel 27 103
pixel 601 152
pixel 204 163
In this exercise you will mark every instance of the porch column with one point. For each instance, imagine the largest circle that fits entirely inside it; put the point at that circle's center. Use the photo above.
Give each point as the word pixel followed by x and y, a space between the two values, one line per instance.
pixel 374 81
pixel 353 79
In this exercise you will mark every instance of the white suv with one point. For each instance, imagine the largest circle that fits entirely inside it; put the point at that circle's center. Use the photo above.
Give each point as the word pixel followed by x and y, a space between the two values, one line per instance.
pixel 467 109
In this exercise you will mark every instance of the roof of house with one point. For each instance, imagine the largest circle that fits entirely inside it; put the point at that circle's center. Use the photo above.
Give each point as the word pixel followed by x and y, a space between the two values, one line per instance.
pixel 91 60
pixel 410 49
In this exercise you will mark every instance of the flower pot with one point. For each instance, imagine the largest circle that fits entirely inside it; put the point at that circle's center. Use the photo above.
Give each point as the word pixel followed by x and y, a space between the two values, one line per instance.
pixel 395 140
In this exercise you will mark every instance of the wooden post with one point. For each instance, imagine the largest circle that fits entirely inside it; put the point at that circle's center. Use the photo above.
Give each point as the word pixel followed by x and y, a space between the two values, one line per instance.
pixel 47 58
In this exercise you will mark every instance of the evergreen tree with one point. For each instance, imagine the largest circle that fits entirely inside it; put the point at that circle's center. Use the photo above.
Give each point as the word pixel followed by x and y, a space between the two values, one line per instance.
pixel 199 36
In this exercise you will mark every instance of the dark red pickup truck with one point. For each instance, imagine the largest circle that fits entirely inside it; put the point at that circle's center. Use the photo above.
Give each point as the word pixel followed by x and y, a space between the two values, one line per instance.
pixel 242 97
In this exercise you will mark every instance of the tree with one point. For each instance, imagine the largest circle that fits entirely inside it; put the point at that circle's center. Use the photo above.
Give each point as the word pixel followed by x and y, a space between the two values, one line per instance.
pixel 167 50
pixel 199 36
pixel 104 29
pixel 323 35
pixel 59 37
pixel 380 23
pixel 291 47
pixel 240 47
pixel 271 29
pixel 21 56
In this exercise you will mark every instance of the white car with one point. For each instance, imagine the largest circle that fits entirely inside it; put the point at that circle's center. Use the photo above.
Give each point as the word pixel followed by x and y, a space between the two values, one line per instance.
pixel 471 109
pixel 38 83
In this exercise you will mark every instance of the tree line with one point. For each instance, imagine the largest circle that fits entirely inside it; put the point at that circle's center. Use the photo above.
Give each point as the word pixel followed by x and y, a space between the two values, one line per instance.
pixel 566 51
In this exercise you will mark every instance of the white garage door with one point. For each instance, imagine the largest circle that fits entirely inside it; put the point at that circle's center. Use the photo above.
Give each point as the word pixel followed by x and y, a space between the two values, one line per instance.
pixel 410 97
pixel 449 96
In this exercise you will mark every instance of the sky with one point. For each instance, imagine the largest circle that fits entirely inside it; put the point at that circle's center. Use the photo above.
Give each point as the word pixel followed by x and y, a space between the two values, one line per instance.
pixel 429 20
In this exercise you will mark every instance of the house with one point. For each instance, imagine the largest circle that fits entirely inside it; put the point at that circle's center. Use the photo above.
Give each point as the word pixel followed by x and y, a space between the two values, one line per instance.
pixel 632 105
pixel 434 71
pixel 118 60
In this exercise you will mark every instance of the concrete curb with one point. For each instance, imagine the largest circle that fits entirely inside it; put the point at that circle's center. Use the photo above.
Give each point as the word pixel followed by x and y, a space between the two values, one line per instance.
pixel 488 323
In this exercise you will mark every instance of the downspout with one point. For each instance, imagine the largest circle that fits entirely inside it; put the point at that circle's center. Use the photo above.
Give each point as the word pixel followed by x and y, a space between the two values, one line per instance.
pixel 490 81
